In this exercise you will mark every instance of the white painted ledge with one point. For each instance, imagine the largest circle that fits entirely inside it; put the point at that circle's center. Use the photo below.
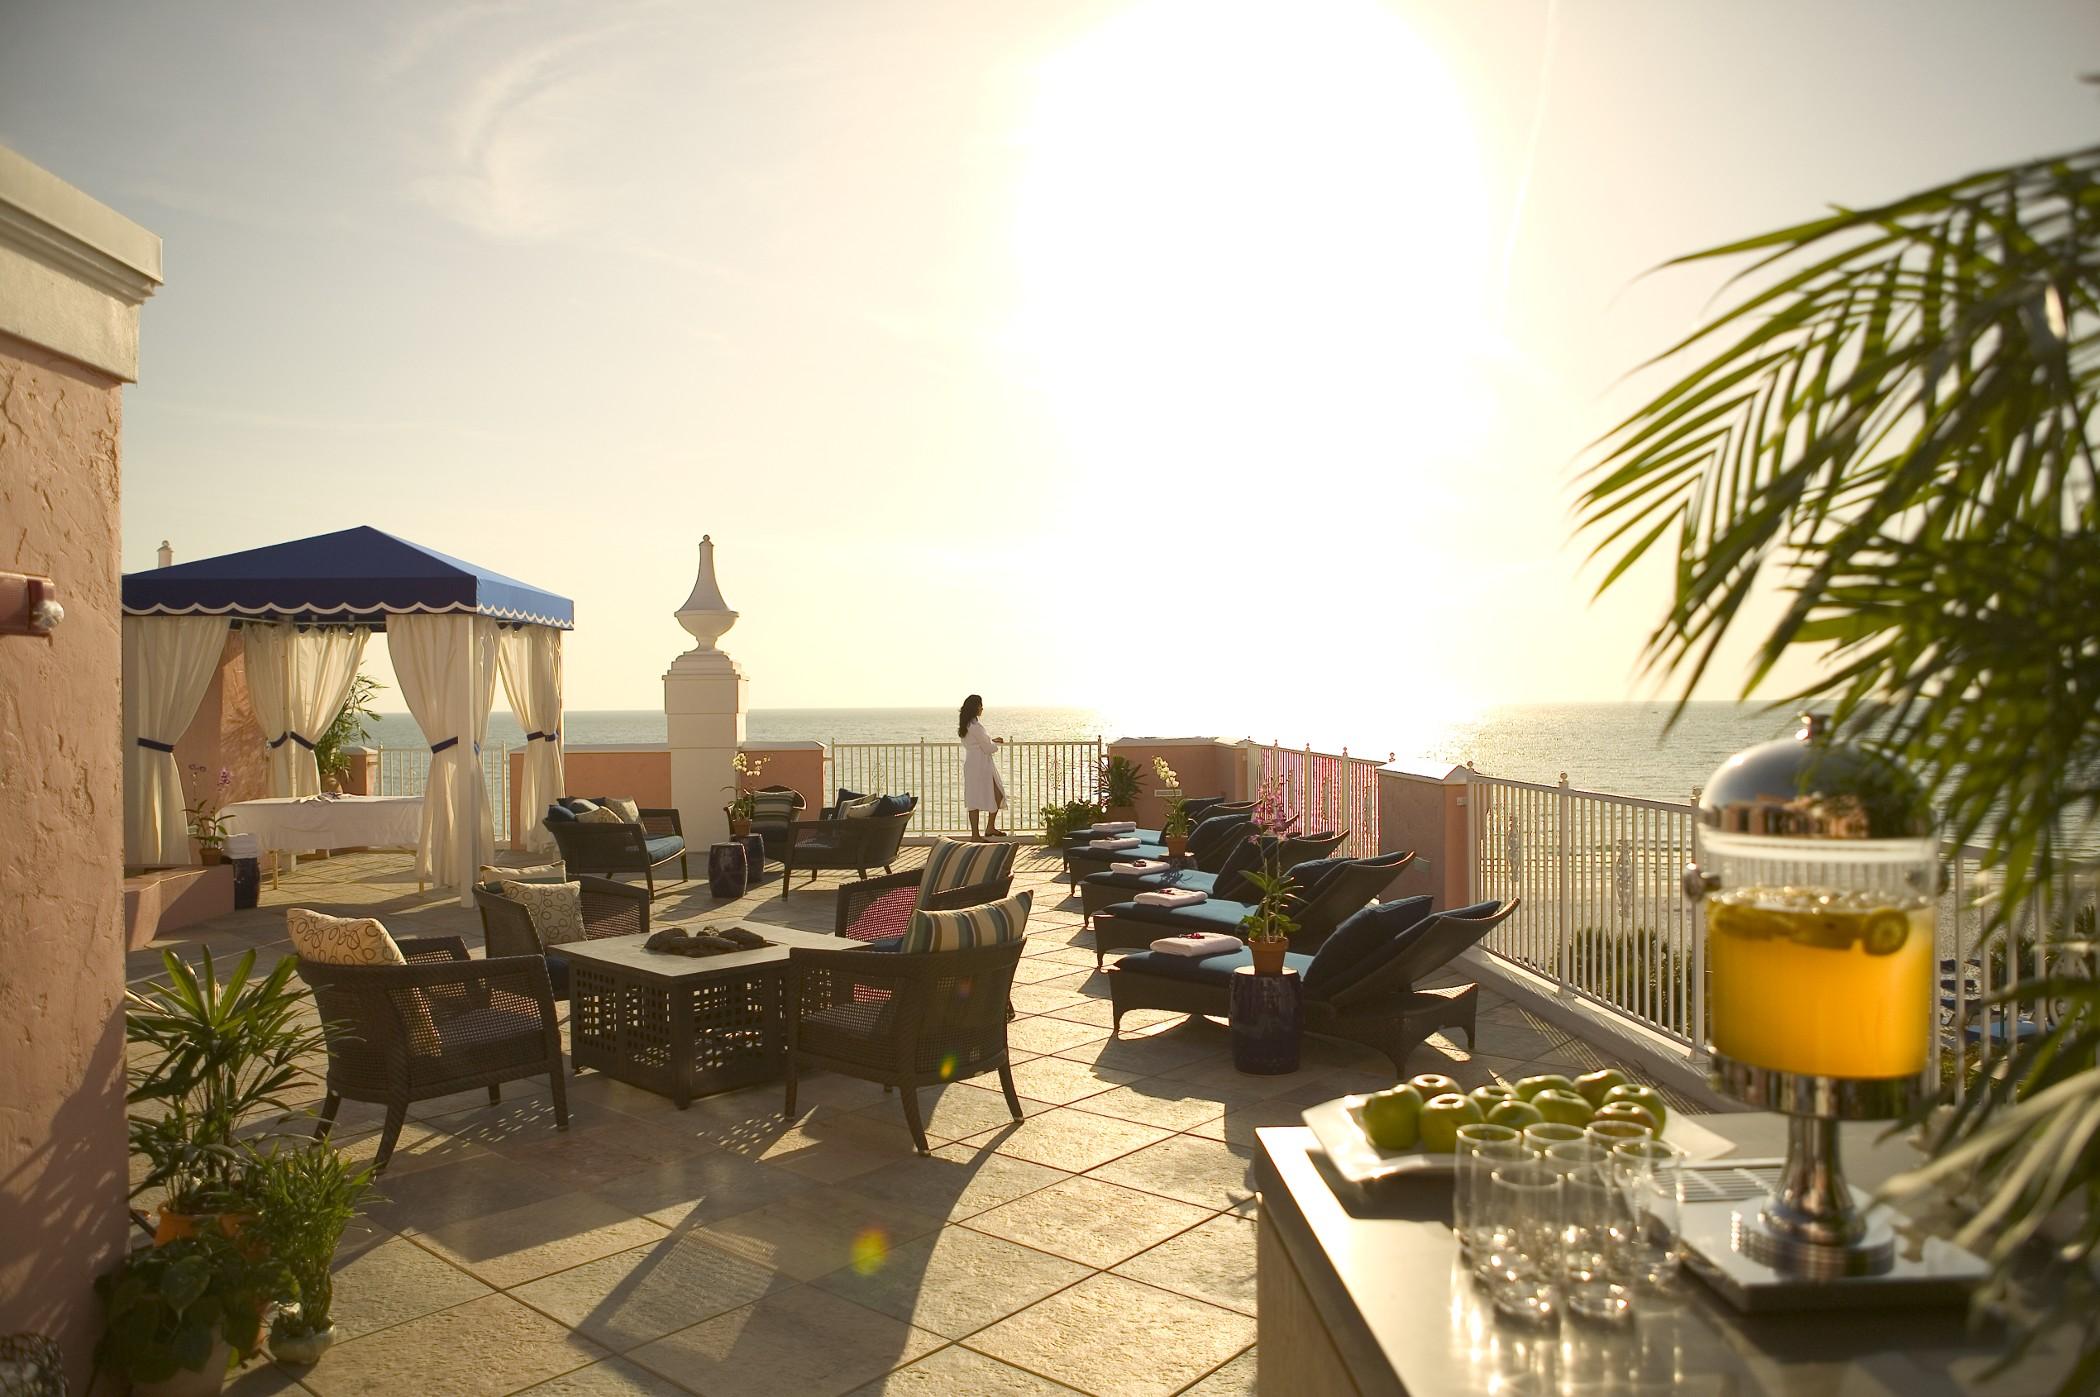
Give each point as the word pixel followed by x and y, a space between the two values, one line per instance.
pixel 73 271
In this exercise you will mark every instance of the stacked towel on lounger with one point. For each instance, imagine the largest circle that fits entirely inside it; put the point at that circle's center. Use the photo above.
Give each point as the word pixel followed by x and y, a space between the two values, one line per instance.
pixel 1138 868
pixel 1125 842
pixel 1173 897
pixel 1197 943
pixel 1115 827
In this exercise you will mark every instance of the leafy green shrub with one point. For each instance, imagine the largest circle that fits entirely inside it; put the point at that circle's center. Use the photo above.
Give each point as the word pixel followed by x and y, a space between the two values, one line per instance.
pixel 167 1306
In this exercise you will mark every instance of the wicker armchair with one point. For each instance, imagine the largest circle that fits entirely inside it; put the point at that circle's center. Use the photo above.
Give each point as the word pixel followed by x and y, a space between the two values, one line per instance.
pixel 838 845
pixel 775 831
pixel 589 847
pixel 609 909
pixel 879 909
pixel 906 1021
pixel 442 1023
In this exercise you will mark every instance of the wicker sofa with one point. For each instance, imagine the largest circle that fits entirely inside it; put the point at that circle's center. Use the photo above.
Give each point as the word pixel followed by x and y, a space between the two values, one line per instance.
pixel 839 845
pixel 619 847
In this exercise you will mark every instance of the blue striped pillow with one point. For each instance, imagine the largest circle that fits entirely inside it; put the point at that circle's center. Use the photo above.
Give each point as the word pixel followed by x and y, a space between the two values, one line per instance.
pixel 952 864
pixel 969 928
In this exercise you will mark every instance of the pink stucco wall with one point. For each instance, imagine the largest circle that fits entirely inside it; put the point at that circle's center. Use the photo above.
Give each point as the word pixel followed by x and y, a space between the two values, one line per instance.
pixel 1206 766
pixel 62 1146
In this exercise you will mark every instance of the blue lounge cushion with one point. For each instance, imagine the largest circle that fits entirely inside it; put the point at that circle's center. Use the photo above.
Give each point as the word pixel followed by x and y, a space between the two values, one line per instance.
pixel 557 814
pixel 1214 915
pixel 1106 856
pixel 1364 941
pixel 664 846
pixel 896 805
pixel 1202 970
pixel 1147 882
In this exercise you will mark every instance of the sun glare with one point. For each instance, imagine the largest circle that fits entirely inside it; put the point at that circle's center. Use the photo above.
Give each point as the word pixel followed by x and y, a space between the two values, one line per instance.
pixel 1256 231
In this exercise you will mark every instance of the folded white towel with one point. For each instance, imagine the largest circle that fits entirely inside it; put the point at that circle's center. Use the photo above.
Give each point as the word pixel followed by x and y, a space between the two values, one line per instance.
pixel 1124 843
pixel 1141 867
pixel 1172 897
pixel 1115 827
pixel 1197 943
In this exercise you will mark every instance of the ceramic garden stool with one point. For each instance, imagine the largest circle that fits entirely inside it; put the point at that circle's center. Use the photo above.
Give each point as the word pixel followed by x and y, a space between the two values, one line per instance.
pixel 726 872
pixel 1268 1020
pixel 754 859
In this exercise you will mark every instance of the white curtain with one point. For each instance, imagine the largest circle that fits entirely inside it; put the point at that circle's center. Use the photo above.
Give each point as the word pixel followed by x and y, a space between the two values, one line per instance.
pixel 447 669
pixel 530 657
pixel 168 664
pixel 297 680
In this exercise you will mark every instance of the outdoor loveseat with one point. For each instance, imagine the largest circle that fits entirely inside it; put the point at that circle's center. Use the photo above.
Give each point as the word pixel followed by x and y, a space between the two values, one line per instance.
pixel 1359 987
pixel 858 843
pixel 613 847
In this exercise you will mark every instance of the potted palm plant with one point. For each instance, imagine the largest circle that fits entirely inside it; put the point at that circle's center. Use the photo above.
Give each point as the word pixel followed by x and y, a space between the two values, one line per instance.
pixel 346 731
pixel 176 1316
pixel 1174 830
pixel 1119 788
pixel 305 1194
pixel 207 827
pixel 1268 924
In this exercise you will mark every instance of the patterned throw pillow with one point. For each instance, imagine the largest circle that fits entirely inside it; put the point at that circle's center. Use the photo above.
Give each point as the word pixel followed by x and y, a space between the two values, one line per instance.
pixel 774 807
pixel 859 809
pixel 952 864
pixel 968 928
pixel 556 909
pixel 627 810
pixel 602 815
pixel 327 940
pixel 577 805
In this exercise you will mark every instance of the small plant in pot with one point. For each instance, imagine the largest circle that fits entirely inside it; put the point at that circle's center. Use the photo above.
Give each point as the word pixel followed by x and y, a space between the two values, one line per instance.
pixel 743 801
pixel 1119 788
pixel 348 729
pixel 1174 830
pixel 306 1195
pixel 177 1315
pixel 1268 924
pixel 1060 820
pixel 207 828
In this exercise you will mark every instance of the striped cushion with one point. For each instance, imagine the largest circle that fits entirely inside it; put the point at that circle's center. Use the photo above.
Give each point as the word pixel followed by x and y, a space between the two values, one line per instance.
pixel 774 805
pixel 993 924
pixel 952 864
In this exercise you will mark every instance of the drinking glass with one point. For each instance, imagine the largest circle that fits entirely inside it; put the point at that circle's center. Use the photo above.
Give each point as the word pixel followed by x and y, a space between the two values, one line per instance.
pixel 1479 1150
pixel 1649 1177
pixel 1610 1132
pixel 1521 1245
pixel 1593 1222
pixel 1549 1133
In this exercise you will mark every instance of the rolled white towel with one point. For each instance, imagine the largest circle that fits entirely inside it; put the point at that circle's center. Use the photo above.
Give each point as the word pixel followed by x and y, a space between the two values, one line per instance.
pixel 1172 897
pixel 1197 943
pixel 1140 867
pixel 1115 827
pixel 1124 843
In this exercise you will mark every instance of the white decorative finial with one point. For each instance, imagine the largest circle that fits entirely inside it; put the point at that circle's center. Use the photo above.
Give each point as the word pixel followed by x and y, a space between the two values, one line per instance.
pixel 705 614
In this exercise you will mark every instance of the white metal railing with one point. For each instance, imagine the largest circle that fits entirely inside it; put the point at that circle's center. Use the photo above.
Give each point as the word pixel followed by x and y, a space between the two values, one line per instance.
pixel 1601 878
pixel 403 771
pixel 1325 790
pixel 1035 774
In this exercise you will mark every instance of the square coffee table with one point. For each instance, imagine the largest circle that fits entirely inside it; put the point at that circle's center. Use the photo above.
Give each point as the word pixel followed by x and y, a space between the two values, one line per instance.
pixel 682 1026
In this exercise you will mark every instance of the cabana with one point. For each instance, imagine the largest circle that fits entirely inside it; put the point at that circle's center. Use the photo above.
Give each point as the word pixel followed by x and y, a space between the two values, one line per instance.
pixel 304 610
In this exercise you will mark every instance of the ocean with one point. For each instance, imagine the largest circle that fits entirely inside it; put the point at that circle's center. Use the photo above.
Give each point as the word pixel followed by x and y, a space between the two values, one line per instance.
pixel 1621 748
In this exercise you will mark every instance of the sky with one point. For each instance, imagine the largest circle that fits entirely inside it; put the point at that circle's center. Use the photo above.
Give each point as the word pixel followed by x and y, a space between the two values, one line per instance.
pixel 1223 362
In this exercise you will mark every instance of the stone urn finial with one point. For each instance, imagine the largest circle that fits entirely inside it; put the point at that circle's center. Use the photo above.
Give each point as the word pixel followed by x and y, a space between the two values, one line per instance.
pixel 705 615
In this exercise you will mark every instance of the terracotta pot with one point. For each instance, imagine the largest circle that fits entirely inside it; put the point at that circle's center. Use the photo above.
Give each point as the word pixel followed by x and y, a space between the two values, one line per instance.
pixel 208 857
pixel 175 1226
pixel 1177 845
pixel 740 828
pixel 1120 812
pixel 1268 956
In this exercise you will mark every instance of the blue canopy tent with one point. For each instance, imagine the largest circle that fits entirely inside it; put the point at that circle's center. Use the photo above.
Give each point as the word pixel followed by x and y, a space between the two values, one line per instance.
pixel 305 609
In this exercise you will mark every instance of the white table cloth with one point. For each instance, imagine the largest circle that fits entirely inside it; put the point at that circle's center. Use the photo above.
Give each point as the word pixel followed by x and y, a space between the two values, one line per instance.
pixel 306 823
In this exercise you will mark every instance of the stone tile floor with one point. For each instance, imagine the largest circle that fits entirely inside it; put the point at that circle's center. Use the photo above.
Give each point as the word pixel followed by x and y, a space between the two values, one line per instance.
pixel 1103 1245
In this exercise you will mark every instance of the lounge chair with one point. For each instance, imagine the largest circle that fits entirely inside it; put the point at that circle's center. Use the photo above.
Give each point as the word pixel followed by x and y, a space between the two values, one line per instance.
pixel 859 844
pixel 1210 842
pixel 1332 889
pixel 1199 810
pixel 955 874
pixel 620 847
pixel 774 810
pixel 1098 891
pixel 1370 999
pixel 609 909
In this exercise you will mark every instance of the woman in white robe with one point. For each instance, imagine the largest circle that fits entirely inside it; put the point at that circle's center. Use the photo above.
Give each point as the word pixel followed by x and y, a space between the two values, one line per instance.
pixel 981 788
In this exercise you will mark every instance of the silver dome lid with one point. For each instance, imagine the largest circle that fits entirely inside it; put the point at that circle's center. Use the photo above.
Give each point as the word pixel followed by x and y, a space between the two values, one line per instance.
pixel 1808 787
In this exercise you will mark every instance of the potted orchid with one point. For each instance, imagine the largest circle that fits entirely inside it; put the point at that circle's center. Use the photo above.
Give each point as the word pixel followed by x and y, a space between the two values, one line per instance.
pixel 1268 924
pixel 1174 830
pixel 207 826
pixel 743 802
pixel 1272 808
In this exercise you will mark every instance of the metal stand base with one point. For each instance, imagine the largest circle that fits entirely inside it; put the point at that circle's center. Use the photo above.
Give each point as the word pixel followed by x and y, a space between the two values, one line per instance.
pixel 1873 1252
pixel 1922 1272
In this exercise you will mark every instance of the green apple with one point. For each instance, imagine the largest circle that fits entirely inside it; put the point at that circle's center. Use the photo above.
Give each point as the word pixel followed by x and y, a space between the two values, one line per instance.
pixel 1435 1084
pixel 1627 1111
pixel 1563 1106
pixel 1393 1118
pixel 1491 1094
pixel 1593 1085
pixel 1514 1113
pixel 1545 1081
pixel 1441 1118
pixel 1647 1098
